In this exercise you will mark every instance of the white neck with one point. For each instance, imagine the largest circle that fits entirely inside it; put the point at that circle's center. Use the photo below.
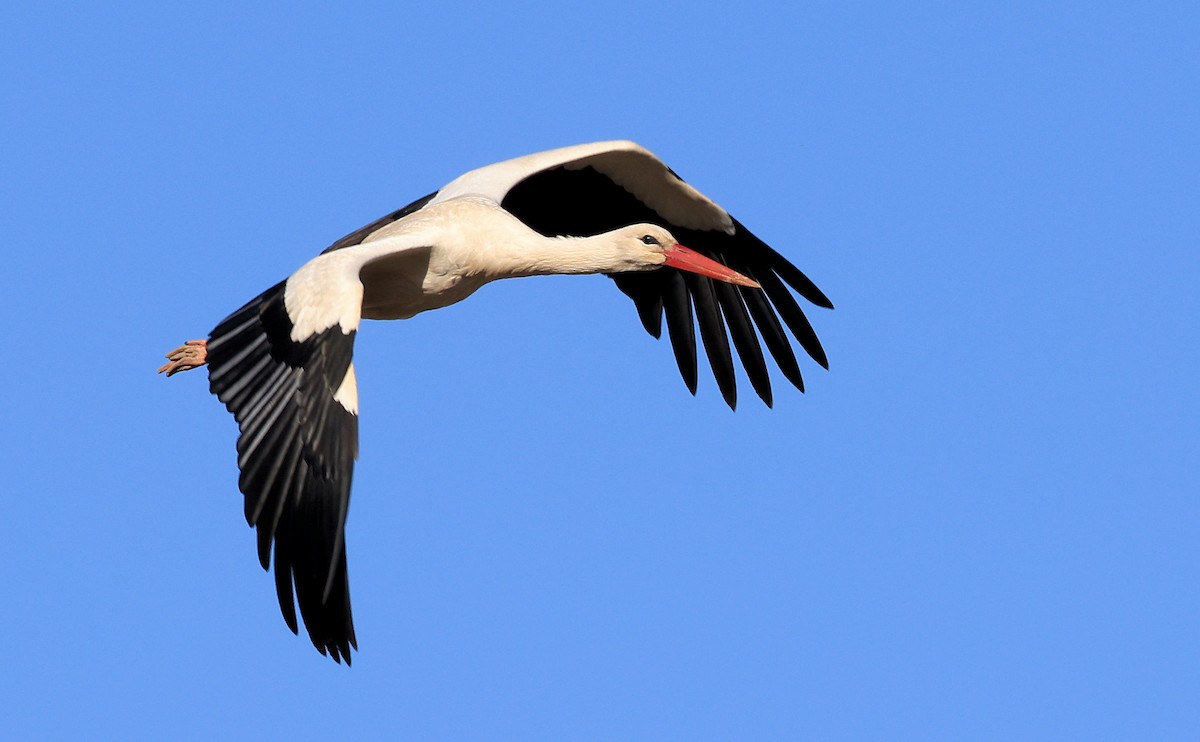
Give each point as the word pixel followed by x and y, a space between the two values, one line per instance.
pixel 490 242
pixel 534 255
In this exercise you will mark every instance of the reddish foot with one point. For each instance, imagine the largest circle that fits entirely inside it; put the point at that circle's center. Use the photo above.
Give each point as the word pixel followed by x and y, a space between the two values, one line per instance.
pixel 190 355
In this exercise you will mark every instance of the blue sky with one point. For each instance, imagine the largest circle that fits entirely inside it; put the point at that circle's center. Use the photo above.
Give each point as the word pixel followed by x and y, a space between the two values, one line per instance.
pixel 982 522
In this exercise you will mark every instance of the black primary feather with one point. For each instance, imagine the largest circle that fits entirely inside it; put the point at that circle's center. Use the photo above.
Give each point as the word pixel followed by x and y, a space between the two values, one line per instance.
pixel 296 453
pixel 584 202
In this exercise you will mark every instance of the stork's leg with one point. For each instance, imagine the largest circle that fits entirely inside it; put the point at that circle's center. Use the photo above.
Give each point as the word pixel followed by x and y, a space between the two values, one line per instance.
pixel 190 355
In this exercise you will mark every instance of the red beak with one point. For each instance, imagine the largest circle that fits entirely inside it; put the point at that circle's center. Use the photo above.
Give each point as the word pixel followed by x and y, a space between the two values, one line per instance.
pixel 684 259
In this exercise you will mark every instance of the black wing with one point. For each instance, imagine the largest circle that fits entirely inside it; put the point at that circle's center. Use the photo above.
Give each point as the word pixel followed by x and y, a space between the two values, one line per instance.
pixel 296 454
pixel 584 201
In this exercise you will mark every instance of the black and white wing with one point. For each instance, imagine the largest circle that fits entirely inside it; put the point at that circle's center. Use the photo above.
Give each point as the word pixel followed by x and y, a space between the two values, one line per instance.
pixel 595 188
pixel 296 409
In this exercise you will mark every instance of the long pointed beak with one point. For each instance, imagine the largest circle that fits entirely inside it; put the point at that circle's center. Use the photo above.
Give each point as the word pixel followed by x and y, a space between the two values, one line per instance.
pixel 684 259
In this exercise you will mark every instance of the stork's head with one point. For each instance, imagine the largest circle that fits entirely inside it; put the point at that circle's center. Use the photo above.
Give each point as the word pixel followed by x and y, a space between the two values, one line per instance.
pixel 650 246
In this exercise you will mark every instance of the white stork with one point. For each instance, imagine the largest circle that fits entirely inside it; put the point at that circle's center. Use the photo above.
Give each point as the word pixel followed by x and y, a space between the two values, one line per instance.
pixel 281 363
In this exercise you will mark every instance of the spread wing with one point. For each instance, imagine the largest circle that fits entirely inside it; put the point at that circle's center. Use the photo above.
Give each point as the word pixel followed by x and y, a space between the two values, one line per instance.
pixel 296 450
pixel 592 189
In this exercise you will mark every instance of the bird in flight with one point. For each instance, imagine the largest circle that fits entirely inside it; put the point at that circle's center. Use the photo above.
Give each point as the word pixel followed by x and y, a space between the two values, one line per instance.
pixel 282 363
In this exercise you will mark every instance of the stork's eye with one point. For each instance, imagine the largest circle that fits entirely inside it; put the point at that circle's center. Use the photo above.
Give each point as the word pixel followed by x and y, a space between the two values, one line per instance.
pixel 650 239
